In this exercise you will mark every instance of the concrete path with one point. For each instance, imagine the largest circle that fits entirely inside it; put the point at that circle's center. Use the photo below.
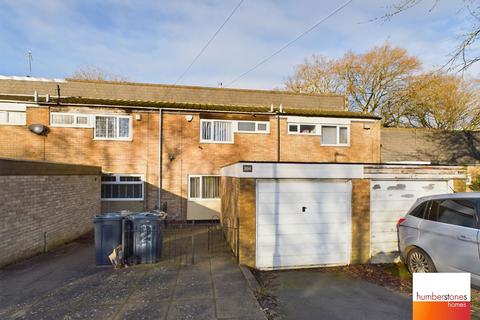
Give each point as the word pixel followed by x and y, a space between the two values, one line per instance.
pixel 65 284
pixel 304 294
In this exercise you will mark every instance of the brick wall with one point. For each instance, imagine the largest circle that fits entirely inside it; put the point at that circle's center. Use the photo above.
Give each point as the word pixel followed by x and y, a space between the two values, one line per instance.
pixel 360 221
pixel 182 152
pixel 239 201
pixel 39 212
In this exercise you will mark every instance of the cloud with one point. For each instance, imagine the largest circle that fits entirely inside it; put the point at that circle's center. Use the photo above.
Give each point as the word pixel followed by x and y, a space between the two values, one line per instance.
pixel 154 41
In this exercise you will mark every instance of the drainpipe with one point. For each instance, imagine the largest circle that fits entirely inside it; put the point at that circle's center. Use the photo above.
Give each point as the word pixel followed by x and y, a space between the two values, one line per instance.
pixel 160 162
pixel 278 137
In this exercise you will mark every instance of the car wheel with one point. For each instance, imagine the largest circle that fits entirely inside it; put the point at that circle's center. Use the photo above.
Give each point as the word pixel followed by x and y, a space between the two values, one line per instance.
pixel 418 261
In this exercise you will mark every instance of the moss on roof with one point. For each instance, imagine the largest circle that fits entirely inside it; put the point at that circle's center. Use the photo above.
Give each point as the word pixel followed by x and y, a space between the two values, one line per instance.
pixel 66 101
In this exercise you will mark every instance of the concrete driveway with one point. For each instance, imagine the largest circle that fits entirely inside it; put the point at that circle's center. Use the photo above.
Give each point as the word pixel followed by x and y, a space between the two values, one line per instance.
pixel 304 294
pixel 65 284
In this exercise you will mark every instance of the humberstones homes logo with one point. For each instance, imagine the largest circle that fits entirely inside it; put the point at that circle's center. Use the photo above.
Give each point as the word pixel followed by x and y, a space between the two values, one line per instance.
pixel 441 296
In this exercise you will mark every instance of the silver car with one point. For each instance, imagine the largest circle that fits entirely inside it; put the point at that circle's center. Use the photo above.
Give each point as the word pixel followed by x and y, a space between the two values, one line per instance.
pixel 441 233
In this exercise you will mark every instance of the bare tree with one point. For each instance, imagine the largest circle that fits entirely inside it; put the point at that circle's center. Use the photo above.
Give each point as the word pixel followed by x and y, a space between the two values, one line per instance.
pixel 92 72
pixel 465 53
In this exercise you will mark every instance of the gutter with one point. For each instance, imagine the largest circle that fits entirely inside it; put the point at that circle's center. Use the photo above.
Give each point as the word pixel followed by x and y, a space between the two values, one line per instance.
pixel 164 109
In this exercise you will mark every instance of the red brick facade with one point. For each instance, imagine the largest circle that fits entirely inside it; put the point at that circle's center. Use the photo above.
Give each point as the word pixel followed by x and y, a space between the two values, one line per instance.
pixel 182 152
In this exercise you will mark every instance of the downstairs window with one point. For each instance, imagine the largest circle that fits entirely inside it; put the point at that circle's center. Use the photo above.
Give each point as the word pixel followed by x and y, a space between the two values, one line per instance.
pixel 203 187
pixel 122 187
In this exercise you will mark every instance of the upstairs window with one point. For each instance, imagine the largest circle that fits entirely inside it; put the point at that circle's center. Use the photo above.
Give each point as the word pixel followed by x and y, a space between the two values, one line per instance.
pixel 335 135
pixel 58 119
pixel 113 128
pixel 298 128
pixel 203 187
pixel 13 117
pixel 13 113
pixel 216 131
pixel 252 127
pixel 122 187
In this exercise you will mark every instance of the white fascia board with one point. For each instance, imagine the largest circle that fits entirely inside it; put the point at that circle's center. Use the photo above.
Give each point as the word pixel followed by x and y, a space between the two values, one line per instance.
pixel 294 171
pixel 319 120
pixel 6 106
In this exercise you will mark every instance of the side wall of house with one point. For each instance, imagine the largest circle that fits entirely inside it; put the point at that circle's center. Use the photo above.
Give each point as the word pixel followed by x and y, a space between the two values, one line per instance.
pixel 44 210
pixel 239 202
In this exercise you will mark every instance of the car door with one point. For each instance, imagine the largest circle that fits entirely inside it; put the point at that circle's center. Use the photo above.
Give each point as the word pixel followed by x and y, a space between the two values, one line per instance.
pixel 449 234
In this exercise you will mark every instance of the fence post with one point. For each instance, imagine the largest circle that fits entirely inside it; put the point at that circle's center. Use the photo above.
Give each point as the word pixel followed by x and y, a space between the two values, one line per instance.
pixel 193 242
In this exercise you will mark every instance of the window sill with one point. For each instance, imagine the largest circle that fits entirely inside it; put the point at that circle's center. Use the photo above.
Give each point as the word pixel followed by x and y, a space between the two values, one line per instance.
pixel 113 139
pixel 202 199
pixel 253 132
pixel 120 199
pixel 335 145
pixel 13 124
pixel 217 142
pixel 70 126
pixel 303 134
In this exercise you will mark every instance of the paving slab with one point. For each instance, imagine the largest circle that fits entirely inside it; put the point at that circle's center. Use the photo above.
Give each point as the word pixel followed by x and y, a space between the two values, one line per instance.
pixel 198 309
pixel 65 284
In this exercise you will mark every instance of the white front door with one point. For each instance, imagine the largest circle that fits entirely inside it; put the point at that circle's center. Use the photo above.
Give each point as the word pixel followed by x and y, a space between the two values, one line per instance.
pixel 303 223
pixel 389 201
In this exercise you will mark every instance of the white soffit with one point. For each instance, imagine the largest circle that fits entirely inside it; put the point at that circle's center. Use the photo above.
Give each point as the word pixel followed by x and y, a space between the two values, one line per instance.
pixel 5 106
pixel 293 171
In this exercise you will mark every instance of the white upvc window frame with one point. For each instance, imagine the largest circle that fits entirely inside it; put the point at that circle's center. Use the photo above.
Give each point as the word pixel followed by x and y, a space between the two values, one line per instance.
pixel 116 138
pixel 117 181
pixel 89 117
pixel 338 144
pixel 200 187
pixel 8 108
pixel 232 129
pixel 316 133
pixel 267 123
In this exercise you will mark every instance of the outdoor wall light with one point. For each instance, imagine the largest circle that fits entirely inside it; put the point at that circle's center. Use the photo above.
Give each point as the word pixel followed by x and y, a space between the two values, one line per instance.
pixel 38 128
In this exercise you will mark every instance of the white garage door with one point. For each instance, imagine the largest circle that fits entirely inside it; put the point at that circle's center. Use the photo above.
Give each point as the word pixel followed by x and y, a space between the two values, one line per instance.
pixel 389 201
pixel 302 223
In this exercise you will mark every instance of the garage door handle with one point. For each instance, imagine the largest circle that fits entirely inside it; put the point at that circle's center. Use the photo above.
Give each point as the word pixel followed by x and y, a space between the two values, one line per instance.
pixel 464 238
pixel 304 209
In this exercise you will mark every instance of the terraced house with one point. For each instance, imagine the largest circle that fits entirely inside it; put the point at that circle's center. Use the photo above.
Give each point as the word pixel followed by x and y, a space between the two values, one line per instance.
pixel 163 146
pixel 283 169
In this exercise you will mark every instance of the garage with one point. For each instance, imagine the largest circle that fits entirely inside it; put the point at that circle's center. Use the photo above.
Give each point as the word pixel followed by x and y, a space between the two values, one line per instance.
pixel 389 201
pixel 296 215
pixel 293 213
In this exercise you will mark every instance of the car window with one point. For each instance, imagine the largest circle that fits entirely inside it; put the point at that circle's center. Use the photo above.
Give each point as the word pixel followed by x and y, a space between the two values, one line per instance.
pixel 419 210
pixel 460 212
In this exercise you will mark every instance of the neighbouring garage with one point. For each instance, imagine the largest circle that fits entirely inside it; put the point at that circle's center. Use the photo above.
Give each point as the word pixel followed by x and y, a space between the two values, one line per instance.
pixel 291 215
pixel 389 201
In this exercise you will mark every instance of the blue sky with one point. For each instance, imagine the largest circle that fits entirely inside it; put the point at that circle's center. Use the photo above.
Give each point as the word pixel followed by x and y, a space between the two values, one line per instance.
pixel 154 41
